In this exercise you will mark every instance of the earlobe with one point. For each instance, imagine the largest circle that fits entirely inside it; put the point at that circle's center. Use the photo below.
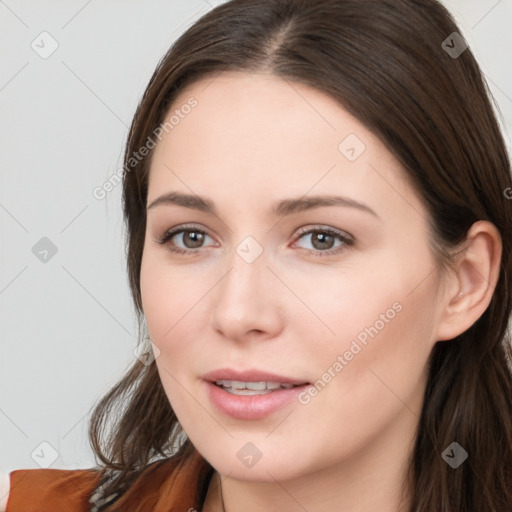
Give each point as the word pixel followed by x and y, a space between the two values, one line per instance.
pixel 475 276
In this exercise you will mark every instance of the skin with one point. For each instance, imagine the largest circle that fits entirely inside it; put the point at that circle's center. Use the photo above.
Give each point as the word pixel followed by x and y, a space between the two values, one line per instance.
pixel 253 140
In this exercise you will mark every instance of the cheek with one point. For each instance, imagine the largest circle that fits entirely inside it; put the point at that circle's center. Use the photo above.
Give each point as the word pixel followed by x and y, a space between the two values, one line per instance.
pixel 377 359
pixel 168 298
pixel 360 300
pixel 155 299
pixel 177 301
pixel 168 295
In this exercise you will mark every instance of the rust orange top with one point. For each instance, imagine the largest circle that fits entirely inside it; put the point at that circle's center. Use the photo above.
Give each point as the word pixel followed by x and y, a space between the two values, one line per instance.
pixel 170 485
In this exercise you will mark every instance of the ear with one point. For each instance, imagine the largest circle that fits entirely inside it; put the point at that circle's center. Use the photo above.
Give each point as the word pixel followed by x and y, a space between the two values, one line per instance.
pixel 470 288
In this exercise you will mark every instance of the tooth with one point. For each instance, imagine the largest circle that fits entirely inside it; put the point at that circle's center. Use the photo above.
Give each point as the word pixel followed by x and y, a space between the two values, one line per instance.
pixel 238 385
pixel 256 386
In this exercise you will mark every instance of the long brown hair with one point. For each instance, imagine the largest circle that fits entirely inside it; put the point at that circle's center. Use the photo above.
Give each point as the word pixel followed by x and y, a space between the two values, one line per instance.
pixel 386 63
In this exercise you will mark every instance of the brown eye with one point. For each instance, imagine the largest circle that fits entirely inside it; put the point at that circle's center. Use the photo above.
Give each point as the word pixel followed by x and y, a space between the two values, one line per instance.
pixel 184 239
pixel 323 241
pixel 192 239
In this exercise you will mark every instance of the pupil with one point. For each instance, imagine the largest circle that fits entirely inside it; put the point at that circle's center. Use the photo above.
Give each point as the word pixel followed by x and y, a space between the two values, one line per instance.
pixel 323 237
pixel 196 237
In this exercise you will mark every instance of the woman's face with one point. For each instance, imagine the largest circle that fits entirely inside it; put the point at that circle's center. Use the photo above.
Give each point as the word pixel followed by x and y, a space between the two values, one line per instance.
pixel 282 282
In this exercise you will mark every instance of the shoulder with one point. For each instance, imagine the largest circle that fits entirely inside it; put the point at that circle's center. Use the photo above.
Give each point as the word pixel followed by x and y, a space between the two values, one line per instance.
pixel 176 480
pixel 58 489
pixel 176 483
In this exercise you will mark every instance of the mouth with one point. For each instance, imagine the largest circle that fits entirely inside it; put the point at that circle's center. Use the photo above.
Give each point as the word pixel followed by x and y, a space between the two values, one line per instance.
pixel 237 387
pixel 251 394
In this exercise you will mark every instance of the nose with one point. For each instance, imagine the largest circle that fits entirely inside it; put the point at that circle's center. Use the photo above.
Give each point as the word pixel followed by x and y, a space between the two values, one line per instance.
pixel 246 304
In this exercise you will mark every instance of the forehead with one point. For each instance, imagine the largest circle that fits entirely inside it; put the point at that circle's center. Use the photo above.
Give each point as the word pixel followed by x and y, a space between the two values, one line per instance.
pixel 257 134
pixel 256 106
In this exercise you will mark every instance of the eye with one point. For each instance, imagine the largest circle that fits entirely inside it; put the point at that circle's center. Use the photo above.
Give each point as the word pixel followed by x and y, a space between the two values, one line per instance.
pixel 324 239
pixel 190 236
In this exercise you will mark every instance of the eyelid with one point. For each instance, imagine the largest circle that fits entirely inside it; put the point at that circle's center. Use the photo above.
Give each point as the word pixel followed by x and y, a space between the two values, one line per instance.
pixel 324 229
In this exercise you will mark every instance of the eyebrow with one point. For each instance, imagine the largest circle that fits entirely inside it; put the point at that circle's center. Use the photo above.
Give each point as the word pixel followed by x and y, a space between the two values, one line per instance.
pixel 282 208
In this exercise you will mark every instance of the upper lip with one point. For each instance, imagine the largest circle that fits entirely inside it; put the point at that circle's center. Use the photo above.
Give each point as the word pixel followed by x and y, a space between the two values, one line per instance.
pixel 250 376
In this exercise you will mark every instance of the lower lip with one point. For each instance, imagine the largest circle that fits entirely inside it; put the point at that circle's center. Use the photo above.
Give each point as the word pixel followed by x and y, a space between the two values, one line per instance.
pixel 251 407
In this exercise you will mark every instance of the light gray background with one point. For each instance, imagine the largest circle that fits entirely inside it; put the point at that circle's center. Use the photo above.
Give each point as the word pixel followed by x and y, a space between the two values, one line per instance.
pixel 67 327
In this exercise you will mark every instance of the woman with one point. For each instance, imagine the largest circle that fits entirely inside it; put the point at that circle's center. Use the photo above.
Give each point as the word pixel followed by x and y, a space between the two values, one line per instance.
pixel 319 250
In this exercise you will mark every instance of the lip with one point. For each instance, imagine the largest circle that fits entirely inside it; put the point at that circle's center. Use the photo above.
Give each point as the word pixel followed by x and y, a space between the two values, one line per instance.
pixel 250 376
pixel 251 407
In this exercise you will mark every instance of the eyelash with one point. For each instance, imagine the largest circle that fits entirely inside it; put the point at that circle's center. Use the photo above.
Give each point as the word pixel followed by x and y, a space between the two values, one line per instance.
pixel 347 241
